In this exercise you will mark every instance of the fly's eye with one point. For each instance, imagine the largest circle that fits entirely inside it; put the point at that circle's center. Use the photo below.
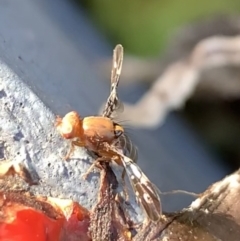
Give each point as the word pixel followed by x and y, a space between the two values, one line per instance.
pixel 118 133
pixel 118 130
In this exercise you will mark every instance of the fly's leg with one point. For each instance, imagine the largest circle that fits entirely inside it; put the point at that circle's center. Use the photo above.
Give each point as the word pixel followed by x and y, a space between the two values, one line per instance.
pixel 72 147
pixel 70 151
pixel 131 224
pixel 124 174
pixel 95 164
pixel 125 191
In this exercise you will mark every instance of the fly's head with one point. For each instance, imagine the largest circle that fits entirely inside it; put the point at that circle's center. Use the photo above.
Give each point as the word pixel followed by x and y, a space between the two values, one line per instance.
pixel 70 126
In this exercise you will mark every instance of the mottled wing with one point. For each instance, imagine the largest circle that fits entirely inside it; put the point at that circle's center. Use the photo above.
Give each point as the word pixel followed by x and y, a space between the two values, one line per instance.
pixel 116 66
pixel 147 194
pixel 113 103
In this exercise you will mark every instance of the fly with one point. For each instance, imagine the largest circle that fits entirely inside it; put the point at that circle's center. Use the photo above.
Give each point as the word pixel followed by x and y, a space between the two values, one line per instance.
pixel 106 138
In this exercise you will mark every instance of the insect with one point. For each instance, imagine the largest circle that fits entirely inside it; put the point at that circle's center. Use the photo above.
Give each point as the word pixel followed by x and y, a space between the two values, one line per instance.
pixel 106 138
pixel 92 131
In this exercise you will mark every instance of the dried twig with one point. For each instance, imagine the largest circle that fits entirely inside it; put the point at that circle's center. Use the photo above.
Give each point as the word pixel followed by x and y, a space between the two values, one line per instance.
pixel 108 221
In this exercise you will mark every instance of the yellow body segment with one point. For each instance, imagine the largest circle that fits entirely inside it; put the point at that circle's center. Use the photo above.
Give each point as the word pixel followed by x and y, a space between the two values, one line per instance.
pixel 101 129
pixel 97 130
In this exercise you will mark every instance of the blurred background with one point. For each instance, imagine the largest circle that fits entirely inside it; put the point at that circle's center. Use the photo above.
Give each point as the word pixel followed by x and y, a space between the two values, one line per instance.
pixel 63 51
pixel 160 33
pixel 145 28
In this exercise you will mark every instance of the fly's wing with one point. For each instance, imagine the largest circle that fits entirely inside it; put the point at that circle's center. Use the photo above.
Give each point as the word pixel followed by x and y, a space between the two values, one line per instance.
pixel 147 194
pixel 113 103
pixel 116 66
